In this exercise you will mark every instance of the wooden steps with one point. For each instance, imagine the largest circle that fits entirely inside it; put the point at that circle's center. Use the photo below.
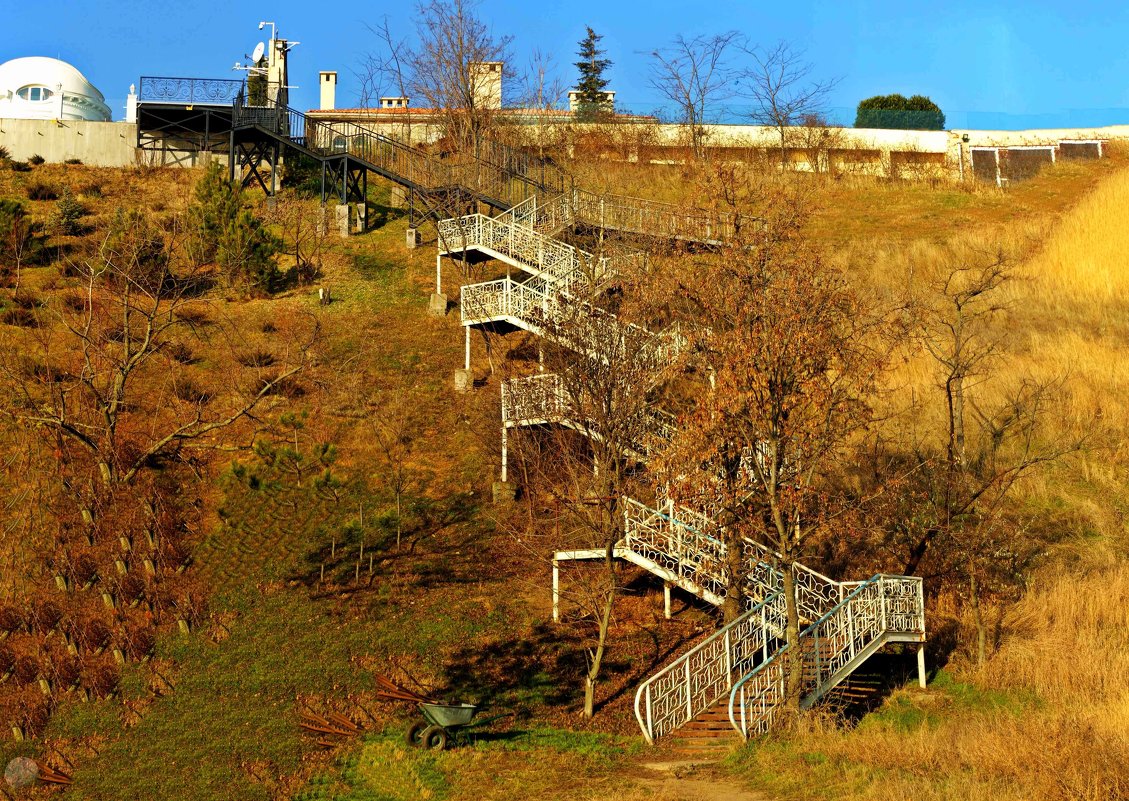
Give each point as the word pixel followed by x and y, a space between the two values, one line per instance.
pixel 709 731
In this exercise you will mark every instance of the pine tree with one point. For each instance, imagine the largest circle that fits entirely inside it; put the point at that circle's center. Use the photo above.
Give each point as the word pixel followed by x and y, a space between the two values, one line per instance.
pixel 223 230
pixel 591 97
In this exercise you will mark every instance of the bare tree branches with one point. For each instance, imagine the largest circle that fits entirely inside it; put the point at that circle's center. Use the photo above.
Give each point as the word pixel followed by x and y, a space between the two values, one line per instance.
pixel 778 83
pixel 107 377
pixel 695 75
pixel 452 68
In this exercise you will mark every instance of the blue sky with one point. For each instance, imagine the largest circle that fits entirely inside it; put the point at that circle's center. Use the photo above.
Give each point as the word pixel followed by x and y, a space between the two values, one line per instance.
pixel 1030 62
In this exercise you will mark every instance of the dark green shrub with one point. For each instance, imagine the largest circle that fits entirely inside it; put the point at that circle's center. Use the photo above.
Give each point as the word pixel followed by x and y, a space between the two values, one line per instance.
pixel 224 231
pixel 36 160
pixel 68 215
pixel 72 161
pixel 40 191
pixel 20 166
pixel 917 113
pixel 5 155
pixel 19 236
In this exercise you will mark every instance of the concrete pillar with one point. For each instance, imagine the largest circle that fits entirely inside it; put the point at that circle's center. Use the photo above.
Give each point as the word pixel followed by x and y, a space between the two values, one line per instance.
pixel 504 492
pixel 399 198
pixel 413 239
pixel 464 381
pixel 322 220
pixel 437 305
pixel 342 212
pixel 666 600
pixel 359 225
pixel 130 104
pixel 921 666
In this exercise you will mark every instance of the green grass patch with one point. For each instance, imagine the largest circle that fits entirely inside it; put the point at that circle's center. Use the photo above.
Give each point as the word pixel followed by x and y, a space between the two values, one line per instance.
pixel 382 770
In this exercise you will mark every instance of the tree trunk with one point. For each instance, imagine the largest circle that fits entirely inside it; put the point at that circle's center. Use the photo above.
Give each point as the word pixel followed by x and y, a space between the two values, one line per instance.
pixel 792 636
pixel 978 620
pixel 597 656
pixel 735 585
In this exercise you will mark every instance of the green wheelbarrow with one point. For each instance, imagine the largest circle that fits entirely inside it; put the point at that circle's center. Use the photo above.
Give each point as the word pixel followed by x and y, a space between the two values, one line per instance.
pixel 443 724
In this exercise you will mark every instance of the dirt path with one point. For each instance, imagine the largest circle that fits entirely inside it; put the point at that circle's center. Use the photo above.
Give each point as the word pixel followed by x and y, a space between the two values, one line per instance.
pixel 692 781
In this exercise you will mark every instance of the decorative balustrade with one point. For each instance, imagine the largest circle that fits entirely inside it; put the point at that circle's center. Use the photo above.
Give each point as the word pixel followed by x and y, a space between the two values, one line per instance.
pixel 514 237
pixel 219 92
pixel 700 677
pixel 544 398
pixel 876 610
pixel 692 530
pixel 650 217
pixel 541 308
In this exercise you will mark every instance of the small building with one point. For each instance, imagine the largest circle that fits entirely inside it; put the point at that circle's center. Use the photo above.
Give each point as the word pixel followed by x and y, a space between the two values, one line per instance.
pixel 486 83
pixel 41 88
pixel 607 104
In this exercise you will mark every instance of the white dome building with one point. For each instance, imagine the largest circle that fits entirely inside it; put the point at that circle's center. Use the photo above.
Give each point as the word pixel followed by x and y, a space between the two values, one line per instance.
pixel 40 88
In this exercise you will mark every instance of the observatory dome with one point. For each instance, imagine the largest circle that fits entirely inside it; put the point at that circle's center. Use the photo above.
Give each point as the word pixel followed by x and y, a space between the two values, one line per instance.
pixel 41 88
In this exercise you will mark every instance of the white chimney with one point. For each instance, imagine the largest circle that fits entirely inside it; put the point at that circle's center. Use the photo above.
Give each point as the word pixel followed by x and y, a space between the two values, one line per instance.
pixel 328 83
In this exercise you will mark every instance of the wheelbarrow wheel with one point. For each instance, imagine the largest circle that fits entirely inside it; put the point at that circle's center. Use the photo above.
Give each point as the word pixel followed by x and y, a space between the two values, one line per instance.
pixel 435 738
pixel 414 734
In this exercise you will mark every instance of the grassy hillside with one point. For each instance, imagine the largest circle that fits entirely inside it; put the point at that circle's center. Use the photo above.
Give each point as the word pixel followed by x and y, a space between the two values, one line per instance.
pixel 299 620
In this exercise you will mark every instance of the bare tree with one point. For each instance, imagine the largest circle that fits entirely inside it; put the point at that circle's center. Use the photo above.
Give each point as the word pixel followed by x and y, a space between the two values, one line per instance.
pixel 695 75
pixel 388 66
pixel 782 358
pixel 107 377
pixel 779 85
pixel 964 486
pixel 448 68
pixel 601 386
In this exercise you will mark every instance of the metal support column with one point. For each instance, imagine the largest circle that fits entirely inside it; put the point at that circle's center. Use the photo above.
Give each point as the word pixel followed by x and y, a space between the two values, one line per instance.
pixel 274 170
pixel 466 328
pixel 556 591
pixel 666 600
pixel 921 666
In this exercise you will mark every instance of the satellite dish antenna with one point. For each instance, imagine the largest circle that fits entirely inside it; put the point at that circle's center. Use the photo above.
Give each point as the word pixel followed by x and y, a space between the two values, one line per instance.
pixel 260 48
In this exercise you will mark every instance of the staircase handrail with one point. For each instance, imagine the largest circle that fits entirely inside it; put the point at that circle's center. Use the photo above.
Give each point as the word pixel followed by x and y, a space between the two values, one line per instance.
pixel 537 253
pixel 653 217
pixel 545 310
pixel 878 607
pixel 816 593
pixel 508 185
pixel 544 397
pixel 698 678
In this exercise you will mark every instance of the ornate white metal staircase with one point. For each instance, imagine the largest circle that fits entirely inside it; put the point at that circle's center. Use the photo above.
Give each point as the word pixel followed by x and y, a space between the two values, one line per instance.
pixel 843 624
pixel 744 665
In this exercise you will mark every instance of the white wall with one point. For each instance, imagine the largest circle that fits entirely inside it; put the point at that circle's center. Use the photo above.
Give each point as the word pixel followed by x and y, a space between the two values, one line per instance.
pixel 99 144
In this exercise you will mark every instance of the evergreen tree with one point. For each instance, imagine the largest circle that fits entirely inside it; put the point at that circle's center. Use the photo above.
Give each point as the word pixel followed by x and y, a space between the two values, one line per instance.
pixel 223 230
pixel 591 97
pixel 900 112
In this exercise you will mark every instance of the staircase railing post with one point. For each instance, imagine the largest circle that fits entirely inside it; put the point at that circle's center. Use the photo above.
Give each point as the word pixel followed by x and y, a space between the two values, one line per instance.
pixel 689 694
pixel 728 662
pixel 881 604
pixel 650 723
pixel 818 677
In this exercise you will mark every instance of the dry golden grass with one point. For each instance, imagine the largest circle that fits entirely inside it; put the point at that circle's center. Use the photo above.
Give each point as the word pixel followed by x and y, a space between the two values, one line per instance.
pixel 1048 718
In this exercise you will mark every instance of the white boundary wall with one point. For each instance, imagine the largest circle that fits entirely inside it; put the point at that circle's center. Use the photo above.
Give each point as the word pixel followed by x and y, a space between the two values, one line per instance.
pixel 99 144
